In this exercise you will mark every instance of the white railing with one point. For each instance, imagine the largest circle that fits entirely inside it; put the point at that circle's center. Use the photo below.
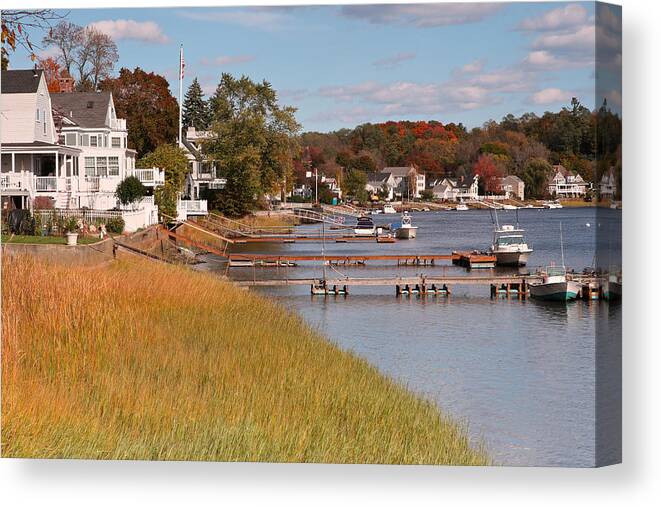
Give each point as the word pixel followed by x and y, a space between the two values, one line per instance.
pixel 45 183
pixel 218 184
pixel 93 183
pixel 151 176
pixel 197 205
pixel 118 124
pixel 15 181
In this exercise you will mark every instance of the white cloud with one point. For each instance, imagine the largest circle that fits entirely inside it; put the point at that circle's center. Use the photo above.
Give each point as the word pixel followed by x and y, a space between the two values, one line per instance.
pixel 422 15
pixel 551 96
pixel 118 29
pixel 581 40
pixel 261 18
pixel 225 60
pixel 472 67
pixel 395 60
pixel 562 18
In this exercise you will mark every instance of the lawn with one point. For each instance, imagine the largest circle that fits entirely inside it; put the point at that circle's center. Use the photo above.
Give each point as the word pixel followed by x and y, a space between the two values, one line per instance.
pixel 141 360
pixel 47 240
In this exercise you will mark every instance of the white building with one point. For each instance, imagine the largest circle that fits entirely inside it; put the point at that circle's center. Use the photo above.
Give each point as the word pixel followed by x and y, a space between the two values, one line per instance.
pixel 513 186
pixel 408 182
pixel 380 182
pixel 69 149
pixel 450 189
pixel 608 185
pixel 564 183
pixel 204 173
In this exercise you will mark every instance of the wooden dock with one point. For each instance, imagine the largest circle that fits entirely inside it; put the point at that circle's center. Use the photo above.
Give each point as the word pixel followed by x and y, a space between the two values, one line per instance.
pixel 242 260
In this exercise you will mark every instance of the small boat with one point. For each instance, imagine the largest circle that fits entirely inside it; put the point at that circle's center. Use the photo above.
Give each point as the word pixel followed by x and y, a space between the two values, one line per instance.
pixel 552 205
pixel 461 207
pixel 509 206
pixel 364 227
pixel 509 247
pixel 554 286
pixel 389 209
pixel 406 230
pixel 613 287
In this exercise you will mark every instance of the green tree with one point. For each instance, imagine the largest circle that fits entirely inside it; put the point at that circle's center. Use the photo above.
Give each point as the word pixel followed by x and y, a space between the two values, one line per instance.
pixel 254 142
pixel 195 108
pixel 535 176
pixel 165 197
pixel 130 190
pixel 151 112
pixel 354 184
pixel 172 159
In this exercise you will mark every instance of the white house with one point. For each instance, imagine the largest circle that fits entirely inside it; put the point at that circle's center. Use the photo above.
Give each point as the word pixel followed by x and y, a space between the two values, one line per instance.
pixel 564 183
pixel 204 173
pixel 409 183
pixel 608 185
pixel 382 181
pixel 68 148
pixel 513 186
pixel 449 189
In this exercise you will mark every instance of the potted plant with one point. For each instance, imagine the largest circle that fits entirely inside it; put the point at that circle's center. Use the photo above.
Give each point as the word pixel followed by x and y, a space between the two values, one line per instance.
pixel 71 231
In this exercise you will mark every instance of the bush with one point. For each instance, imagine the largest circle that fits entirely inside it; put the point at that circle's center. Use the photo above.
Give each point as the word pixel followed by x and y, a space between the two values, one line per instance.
pixel 115 225
pixel 43 202
pixel 130 190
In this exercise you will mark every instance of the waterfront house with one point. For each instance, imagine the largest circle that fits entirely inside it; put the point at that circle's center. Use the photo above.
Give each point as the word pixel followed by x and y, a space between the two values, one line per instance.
pixel 203 173
pixel 450 189
pixel 408 181
pixel 608 185
pixel 381 182
pixel 565 183
pixel 68 149
pixel 513 186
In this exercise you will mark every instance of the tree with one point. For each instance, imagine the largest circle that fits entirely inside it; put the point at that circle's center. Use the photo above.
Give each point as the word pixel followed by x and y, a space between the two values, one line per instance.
pixel 489 173
pixel 535 175
pixel 354 184
pixel 195 108
pixel 172 159
pixel 130 190
pixel 67 38
pixel 254 142
pixel 151 112
pixel 16 27
pixel 51 74
pixel 165 197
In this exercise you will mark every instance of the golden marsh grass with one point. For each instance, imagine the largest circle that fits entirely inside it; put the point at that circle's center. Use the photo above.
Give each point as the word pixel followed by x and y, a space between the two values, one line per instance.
pixel 138 360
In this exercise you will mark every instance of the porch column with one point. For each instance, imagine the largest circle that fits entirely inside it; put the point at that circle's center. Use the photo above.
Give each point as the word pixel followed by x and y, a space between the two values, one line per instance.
pixel 57 165
pixel 13 162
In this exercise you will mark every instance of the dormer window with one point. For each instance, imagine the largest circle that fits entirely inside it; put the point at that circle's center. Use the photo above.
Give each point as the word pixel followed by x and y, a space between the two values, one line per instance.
pixel 90 104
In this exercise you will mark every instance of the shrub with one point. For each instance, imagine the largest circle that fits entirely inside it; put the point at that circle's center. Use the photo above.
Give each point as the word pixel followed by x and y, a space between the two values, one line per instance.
pixel 71 224
pixel 130 190
pixel 43 202
pixel 165 198
pixel 115 225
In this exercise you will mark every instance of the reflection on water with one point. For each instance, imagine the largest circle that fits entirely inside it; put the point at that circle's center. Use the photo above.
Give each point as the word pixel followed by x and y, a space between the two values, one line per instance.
pixel 521 374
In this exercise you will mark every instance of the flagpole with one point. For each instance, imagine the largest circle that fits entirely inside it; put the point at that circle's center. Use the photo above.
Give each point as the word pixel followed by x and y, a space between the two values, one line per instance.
pixel 181 91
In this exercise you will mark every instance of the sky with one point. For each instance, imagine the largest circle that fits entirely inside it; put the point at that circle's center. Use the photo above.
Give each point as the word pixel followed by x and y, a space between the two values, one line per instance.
pixel 345 65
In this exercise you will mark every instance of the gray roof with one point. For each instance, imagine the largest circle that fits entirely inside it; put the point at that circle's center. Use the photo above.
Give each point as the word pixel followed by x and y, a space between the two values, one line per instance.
pixel 87 109
pixel 397 171
pixel 21 81
pixel 377 178
pixel 513 177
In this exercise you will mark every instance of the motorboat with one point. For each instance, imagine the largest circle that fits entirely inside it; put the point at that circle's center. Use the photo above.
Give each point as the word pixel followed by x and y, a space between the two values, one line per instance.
pixel 406 230
pixel 364 227
pixel 461 207
pixel 554 285
pixel 509 206
pixel 509 246
pixel 552 205
pixel 613 287
pixel 389 209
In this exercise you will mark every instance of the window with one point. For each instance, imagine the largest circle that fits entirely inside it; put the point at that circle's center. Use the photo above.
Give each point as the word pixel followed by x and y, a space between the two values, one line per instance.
pixel 70 139
pixel 124 142
pixel 37 118
pixel 101 166
pixel 116 142
pixel 93 140
pixel 89 166
pixel 84 140
pixel 113 166
pixel 60 139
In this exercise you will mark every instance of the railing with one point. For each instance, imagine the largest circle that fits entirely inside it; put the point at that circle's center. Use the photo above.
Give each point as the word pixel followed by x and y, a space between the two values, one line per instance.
pixel 93 183
pixel 88 216
pixel 45 183
pixel 118 124
pixel 151 176
pixel 199 205
pixel 13 181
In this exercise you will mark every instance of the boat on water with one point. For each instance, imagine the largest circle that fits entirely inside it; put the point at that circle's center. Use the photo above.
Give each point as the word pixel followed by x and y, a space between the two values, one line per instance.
pixel 364 227
pixel 613 287
pixel 553 205
pixel 509 246
pixel 509 206
pixel 406 230
pixel 461 207
pixel 389 209
pixel 554 285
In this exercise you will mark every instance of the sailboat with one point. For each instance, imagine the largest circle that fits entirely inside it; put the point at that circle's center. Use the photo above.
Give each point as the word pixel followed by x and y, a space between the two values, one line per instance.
pixel 555 285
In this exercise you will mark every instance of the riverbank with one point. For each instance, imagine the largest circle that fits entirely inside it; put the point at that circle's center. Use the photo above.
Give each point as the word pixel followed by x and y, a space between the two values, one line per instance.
pixel 153 361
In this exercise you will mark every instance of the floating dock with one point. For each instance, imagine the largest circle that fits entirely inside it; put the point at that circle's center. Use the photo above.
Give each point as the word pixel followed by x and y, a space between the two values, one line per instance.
pixel 243 260
pixel 474 260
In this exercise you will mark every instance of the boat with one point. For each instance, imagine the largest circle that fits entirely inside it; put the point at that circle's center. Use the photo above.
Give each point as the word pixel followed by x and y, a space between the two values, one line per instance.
pixel 509 206
pixel 613 287
pixel 509 246
pixel 389 209
pixel 461 207
pixel 554 285
pixel 364 227
pixel 406 230
pixel 552 205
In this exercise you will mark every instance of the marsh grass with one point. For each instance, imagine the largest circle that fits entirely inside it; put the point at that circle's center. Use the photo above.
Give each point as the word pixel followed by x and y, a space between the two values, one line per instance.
pixel 138 360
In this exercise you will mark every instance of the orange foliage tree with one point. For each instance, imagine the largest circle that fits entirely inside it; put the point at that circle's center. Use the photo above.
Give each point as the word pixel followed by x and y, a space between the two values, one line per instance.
pixel 51 73
pixel 489 172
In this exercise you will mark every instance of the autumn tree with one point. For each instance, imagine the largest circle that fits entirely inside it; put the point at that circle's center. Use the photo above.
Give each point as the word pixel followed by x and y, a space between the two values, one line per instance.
pixel 51 74
pixel 489 173
pixel 16 28
pixel 151 112
pixel 254 142
pixel 195 108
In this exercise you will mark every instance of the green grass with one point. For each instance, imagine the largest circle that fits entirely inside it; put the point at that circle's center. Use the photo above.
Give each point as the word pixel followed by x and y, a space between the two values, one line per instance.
pixel 46 240
pixel 139 360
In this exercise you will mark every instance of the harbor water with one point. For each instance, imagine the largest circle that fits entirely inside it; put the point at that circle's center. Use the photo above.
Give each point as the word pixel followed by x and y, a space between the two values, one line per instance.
pixel 519 374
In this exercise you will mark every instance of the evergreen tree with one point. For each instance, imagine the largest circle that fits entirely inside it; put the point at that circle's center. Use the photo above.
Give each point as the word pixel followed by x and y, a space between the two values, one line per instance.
pixel 196 112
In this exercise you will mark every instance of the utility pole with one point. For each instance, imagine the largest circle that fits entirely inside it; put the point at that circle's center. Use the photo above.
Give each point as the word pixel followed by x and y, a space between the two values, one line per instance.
pixel 316 189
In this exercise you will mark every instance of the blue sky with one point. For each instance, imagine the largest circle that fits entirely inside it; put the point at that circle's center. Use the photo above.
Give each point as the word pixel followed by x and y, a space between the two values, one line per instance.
pixel 345 65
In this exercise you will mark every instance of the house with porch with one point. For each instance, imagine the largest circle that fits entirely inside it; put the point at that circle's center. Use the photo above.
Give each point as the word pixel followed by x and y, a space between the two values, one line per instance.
pixel 451 189
pixel 565 183
pixel 408 181
pixel 381 182
pixel 69 149
pixel 204 173
pixel 608 185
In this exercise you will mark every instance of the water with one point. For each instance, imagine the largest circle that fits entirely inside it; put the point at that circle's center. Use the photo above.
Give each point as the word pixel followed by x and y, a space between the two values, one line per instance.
pixel 519 374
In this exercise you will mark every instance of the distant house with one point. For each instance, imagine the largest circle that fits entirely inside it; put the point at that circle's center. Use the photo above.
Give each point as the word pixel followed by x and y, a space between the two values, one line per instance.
pixel 203 173
pixel 378 182
pixel 409 182
pixel 608 185
pixel 333 186
pixel 513 186
pixel 449 189
pixel 565 183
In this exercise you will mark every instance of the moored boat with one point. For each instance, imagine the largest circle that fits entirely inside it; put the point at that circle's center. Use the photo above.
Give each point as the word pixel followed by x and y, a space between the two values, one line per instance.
pixel 509 246
pixel 406 230
pixel 461 207
pixel 554 285
pixel 364 227
pixel 389 209
pixel 613 287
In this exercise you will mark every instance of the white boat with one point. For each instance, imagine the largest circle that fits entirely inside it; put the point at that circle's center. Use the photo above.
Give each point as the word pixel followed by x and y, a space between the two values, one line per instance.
pixel 406 230
pixel 554 285
pixel 461 207
pixel 552 205
pixel 509 206
pixel 509 246
pixel 613 287
pixel 389 209
pixel 364 227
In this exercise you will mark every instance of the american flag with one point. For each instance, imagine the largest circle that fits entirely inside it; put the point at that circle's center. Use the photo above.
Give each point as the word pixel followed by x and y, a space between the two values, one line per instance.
pixel 181 62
